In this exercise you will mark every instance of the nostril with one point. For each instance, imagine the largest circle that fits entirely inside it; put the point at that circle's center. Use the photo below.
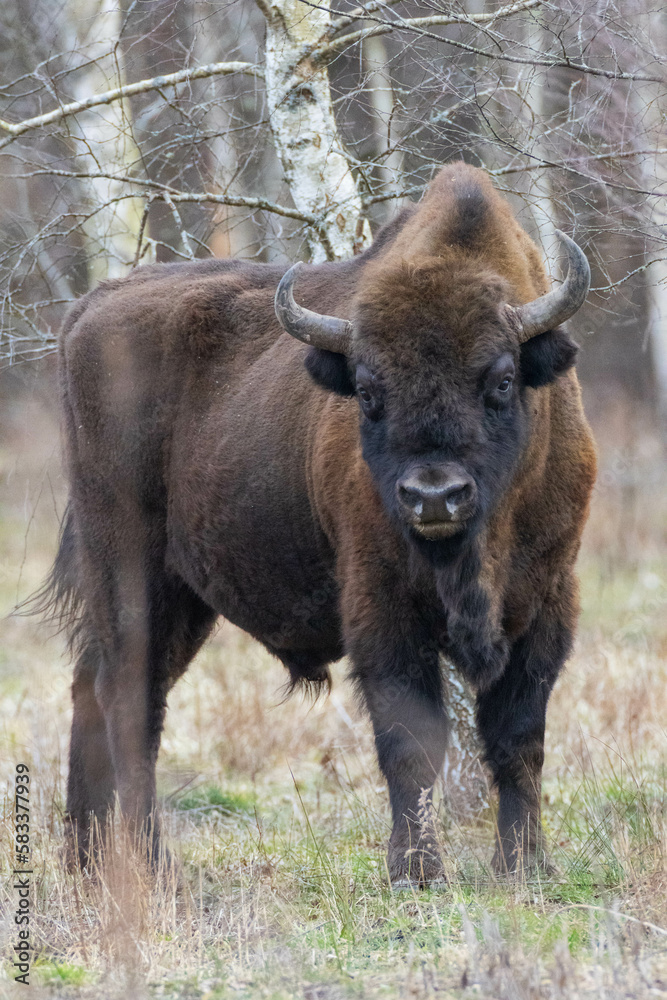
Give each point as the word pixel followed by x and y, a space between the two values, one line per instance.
pixel 409 495
pixel 456 495
pixel 458 492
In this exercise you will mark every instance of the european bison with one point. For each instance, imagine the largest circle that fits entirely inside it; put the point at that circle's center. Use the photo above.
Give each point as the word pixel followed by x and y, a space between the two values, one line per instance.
pixel 402 473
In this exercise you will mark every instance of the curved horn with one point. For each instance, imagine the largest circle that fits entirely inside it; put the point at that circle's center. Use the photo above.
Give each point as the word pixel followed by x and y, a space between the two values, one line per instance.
pixel 558 305
pixel 326 332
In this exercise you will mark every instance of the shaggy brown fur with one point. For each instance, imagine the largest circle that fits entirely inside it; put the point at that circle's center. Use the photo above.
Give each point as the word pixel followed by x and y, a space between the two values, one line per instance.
pixel 213 473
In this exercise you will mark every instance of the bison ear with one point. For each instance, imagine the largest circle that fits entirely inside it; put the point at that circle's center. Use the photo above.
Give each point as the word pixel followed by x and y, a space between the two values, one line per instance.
pixel 330 371
pixel 546 356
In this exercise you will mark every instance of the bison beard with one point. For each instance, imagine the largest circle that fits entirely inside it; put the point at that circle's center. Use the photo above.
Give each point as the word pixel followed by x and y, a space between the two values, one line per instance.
pixel 412 483
pixel 473 639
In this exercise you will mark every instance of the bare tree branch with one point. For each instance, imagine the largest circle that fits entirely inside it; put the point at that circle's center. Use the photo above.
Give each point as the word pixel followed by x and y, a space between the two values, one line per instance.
pixel 265 8
pixel 592 157
pixel 173 194
pixel 128 90
pixel 343 20
pixel 326 51
pixel 185 236
pixel 612 286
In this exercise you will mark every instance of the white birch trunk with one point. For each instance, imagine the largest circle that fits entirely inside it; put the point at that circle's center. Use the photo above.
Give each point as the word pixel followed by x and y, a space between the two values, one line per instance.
pixel 534 92
pixel 305 133
pixel 113 225
pixel 466 786
pixel 658 318
pixel 465 783
pixel 531 84
pixel 655 169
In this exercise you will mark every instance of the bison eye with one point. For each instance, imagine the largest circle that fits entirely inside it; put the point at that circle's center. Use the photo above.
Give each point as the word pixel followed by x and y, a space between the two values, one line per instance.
pixel 369 392
pixel 498 381
pixel 370 405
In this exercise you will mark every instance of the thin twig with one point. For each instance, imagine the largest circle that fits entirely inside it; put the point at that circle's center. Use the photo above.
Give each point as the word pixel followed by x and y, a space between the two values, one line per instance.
pixel 201 197
pixel 434 20
pixel 637 270
pixel 127 90
pixel 589 157
pixel 327 51
pixel 140 236
pixel 185 238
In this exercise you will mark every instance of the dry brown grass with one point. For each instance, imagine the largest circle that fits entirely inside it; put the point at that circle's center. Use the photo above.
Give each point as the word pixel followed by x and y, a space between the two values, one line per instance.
pixel 277 815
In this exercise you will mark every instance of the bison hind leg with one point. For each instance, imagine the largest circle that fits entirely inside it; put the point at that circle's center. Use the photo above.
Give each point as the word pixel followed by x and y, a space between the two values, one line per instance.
pixel 91 784
pixel 308 670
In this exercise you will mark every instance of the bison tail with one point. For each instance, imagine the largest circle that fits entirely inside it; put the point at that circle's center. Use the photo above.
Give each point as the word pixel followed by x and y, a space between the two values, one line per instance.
pixel 60 600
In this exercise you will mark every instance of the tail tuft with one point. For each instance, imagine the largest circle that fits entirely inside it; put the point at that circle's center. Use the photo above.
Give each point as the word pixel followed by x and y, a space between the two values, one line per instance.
pixel 59 600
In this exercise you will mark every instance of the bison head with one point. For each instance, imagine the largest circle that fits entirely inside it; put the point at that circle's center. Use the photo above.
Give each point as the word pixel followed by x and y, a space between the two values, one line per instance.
pixel 440 361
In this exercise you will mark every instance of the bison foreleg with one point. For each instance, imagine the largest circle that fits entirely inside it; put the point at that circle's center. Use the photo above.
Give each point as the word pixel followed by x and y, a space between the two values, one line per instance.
pixel 404 698
pixel 511 718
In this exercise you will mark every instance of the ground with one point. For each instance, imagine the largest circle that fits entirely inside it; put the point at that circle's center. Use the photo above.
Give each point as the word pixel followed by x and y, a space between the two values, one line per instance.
pixel 277 816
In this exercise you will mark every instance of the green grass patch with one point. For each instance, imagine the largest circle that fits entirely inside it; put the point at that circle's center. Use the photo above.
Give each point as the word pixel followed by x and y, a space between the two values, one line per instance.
pixel 52 973
pixel 211 799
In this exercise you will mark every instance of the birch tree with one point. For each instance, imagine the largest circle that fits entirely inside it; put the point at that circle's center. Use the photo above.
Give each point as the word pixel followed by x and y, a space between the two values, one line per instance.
pixel 103 140
pixel 304 129
pixel 655 171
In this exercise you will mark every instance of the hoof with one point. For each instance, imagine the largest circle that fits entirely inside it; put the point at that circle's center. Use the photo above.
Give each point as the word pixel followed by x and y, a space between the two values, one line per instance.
pixel 518 867
pixel 83 849
pixel 415 868
pixel 409 885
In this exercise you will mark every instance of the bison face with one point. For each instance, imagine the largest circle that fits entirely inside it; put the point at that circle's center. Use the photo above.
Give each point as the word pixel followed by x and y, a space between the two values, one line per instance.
pixel 439 377
pixel 441 439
